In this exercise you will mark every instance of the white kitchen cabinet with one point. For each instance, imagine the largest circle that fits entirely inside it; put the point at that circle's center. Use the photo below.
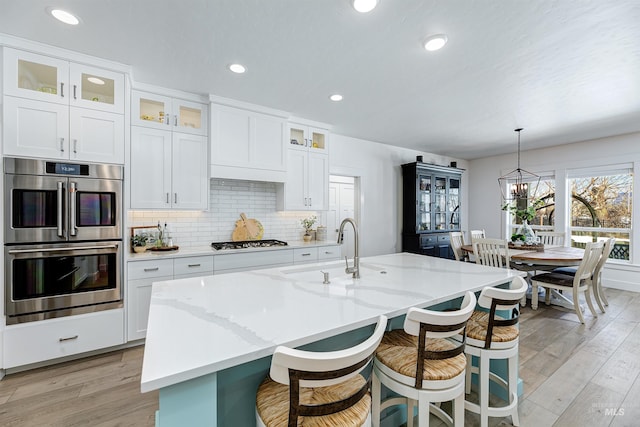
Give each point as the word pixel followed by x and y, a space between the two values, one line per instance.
pixel 307 184
pixel 305 255
pixel 34 342
pixel 168 170
pixel 166 113
pixel 247 145
pixel 305 138
pixel 140 277
pixel 142 274
pixel 49 105
pixel 328 253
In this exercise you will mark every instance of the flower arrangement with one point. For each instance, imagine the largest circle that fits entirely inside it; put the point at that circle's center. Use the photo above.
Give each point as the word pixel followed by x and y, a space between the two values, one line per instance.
pixel 527 214
pixel 308 223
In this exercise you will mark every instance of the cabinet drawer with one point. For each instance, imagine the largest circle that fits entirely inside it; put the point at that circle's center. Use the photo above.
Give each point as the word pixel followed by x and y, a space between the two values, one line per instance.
pixel 428 240
pixel 151 268
pixel 193 266
pixel 251 260
pixel 444 238
pixel 301 255
pixel 51 339
pixel 329 252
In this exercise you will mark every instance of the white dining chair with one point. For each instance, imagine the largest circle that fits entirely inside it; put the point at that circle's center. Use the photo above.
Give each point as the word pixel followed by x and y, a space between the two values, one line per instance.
pixel 323 388
pixel 491 252
pixel 456 240
pixel 581 282
pixel 477 234
pixel 551 238
pixel 597 291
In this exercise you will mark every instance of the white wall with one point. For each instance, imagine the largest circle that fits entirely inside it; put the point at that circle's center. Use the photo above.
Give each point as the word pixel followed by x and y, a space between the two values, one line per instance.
pixel 378 165
pixel 485 196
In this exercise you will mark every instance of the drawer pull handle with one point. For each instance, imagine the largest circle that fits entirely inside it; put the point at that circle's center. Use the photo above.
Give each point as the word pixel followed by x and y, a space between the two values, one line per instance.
pixel 152 269
pixel 328 253
pixel 307 254
pixel 194 265
pixel 75 337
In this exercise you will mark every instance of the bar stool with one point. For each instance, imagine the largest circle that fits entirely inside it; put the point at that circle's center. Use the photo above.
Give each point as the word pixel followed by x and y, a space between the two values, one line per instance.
pixel 318 388
pixel 491 337
pixel 424 363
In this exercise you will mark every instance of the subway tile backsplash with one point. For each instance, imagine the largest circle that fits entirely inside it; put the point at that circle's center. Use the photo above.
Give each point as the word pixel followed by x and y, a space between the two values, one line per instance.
pixel 227 199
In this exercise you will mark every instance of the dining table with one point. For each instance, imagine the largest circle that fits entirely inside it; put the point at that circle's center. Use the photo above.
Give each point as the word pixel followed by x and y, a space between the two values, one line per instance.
pixel 550 257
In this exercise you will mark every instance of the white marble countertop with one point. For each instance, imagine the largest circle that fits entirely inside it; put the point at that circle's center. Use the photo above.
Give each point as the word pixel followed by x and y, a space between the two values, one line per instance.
pixel 208 250
pixel 198 326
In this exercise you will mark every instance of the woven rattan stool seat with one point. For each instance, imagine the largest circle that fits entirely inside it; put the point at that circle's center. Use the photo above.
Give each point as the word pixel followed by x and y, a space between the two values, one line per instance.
pixel 273 404
pixel 477 329
pixel 398 351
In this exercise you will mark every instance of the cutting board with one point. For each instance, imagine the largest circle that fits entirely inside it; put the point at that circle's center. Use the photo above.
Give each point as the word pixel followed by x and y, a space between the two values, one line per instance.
pixel 247 229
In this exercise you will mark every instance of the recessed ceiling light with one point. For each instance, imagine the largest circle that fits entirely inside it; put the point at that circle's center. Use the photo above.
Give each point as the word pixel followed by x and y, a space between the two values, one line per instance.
pixel 336 97
pixel 64 16
pixel 364 6
pixel 435 42
pixel 237 68
pixel 95 80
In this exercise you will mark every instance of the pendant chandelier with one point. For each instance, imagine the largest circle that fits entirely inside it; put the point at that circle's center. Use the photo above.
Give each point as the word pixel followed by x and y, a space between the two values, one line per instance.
pixel 516 184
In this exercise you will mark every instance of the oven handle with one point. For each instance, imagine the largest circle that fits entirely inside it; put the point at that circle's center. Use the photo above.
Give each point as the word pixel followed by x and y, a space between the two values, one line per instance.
pixel 75 248
pixel 60 219
pixel 72 207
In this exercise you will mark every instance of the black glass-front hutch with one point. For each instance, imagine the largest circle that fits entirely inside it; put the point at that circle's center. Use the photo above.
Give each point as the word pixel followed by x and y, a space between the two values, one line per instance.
pixel 430 208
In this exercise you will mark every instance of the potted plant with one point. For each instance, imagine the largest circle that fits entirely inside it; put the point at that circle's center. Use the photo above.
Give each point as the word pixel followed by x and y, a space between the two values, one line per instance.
pixel 307 223
pixel 525 233
pixel 139 242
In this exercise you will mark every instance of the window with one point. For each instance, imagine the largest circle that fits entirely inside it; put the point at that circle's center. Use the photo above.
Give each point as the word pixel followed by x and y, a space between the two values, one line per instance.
pixel 601 207
pixel 545 213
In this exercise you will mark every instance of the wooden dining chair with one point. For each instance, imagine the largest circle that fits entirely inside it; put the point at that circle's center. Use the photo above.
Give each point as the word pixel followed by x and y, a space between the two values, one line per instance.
pixel 456 239
pixel 551 238
pixel 492 252
pixel 582 281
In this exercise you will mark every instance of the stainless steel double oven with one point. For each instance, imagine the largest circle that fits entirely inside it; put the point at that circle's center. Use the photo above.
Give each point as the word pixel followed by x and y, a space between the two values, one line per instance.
pixel 63 238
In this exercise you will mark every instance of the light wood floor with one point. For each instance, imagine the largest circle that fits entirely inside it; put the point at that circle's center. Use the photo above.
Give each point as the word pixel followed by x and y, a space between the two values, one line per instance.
pixel 574 375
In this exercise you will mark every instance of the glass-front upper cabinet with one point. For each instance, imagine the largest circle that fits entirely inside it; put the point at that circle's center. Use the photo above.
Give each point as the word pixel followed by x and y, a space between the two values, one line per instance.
pixel 43 78
pixel 29 75
pixel 453 205
pixel 424 203
pixel 96 89
pixel 163 112
pixel 305 138
pixel 440 201
pixel 431 198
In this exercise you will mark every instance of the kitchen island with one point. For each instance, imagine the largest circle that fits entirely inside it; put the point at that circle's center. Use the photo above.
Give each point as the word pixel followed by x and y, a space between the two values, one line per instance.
pixel 210 339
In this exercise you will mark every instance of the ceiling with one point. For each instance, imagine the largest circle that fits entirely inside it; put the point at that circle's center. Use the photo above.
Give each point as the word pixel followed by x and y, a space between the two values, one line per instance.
pixel 564 70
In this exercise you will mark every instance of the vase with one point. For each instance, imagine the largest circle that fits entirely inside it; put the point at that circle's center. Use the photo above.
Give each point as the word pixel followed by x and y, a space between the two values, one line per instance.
pixel 526 230
pixel 306 237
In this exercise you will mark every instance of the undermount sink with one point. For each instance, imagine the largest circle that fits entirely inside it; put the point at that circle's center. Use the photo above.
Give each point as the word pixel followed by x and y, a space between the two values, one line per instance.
pixel 314 273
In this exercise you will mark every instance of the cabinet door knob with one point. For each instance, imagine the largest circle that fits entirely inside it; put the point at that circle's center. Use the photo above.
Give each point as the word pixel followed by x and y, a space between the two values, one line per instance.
pixel 175 120
pixel 167 198
pixel 74 92
pixel 75 146
pixel 62 145
pixel 62 89
pixel 175 198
